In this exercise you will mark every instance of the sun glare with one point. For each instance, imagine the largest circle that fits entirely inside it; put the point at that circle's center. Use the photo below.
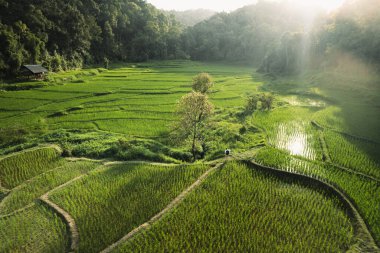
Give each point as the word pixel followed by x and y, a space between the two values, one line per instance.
pixel 296 146
pixel 328 5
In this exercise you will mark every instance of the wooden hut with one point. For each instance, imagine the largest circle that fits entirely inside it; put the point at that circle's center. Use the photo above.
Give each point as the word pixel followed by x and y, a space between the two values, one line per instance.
pixel 33 71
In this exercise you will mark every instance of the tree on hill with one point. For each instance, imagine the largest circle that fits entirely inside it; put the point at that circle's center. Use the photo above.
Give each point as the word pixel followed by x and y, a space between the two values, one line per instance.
pixel 194 109
pixel 251 104
pixel 266 101
pixel 354 29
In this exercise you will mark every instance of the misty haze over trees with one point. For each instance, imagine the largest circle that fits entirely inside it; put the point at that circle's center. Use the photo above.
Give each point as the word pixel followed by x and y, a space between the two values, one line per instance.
pixel 192 17
pixel 276 35
pixel 273 36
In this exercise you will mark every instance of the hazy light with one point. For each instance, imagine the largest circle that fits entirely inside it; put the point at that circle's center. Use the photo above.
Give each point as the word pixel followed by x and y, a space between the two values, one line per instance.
pixel 216 5
pixel 297 146
pixel 293 137
pixel 230 5
pixel 325 4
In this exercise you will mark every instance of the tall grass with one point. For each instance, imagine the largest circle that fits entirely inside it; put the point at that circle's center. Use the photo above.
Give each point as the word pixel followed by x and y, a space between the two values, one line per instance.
pixel 364 192
pixel 346 152
pixel 109 204
pixel 30 191
pixel 34 230
pixel 239 209
pixel 17 168
pixel 128 91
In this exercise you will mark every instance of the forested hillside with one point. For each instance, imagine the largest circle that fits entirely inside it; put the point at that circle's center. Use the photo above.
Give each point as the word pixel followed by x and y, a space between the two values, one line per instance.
pixel 284 38
pixel 247 33
pixel 279 37
pixel 64 34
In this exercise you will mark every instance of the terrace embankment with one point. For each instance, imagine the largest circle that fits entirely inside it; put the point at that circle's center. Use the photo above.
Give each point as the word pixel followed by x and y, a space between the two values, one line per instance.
pixel 364 240
pixel 70 222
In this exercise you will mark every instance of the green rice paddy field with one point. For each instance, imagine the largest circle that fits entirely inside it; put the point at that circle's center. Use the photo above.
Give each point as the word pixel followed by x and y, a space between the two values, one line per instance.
pixel 330 133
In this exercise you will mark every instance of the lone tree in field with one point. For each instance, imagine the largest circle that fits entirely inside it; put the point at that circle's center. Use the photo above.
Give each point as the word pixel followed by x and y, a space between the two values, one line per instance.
pixel 202 83
pixel 266 101
pixel 106 63
pixel 251 105
pixel 193 109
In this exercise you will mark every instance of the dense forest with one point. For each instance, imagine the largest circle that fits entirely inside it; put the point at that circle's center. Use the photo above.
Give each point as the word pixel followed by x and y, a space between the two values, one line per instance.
pixel 276 36
pixel 65 34
pixel 282 37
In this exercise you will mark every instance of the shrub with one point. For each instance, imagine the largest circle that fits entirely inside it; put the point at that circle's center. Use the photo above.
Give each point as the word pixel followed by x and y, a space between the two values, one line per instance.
pixel 202 83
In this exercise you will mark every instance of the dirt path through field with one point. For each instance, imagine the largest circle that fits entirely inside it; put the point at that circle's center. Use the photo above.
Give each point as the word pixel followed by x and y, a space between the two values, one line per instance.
pixel 24 184
pixel 68 219
pixel 316 124
pixel 362 232
pixel 357 173
pixel 167 209
pixel 111 163
pixel 142 162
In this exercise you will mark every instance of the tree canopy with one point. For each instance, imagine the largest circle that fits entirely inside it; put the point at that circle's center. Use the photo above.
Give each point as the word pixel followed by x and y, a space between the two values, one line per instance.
pixel 193 110
pixel 285 40
pixel 67 34
pixel 202 83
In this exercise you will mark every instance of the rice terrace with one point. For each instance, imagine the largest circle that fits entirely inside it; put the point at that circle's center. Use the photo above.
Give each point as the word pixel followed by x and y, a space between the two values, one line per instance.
pixel 130 126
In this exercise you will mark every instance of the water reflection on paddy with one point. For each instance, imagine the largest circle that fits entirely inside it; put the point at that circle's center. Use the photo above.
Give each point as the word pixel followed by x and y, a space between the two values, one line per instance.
pixel 293 137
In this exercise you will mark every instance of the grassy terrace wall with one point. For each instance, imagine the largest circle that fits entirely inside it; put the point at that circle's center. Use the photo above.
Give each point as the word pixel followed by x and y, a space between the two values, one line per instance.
pixel 15 169
pixel 364 240
pixel 363 192
pixel 25 194
pixel 108 204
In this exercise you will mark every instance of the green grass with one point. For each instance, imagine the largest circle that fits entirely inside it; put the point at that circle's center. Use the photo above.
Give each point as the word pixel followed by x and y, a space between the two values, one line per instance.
pixel 125 113
pixel 293 145
pixel 142 97
pixel 34 230
pixel 28 192
pixel 133 101
pixel 239 209
pixel 347 152
pixel 290 129
pixel 15 169
pixel 108 204
pixel 364 192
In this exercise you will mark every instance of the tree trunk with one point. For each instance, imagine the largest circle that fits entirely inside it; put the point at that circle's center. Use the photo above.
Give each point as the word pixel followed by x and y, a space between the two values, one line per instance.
pixel 193 146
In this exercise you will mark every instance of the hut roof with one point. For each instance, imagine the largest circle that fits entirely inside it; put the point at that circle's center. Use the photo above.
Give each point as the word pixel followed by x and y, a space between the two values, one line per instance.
pixel 35 69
